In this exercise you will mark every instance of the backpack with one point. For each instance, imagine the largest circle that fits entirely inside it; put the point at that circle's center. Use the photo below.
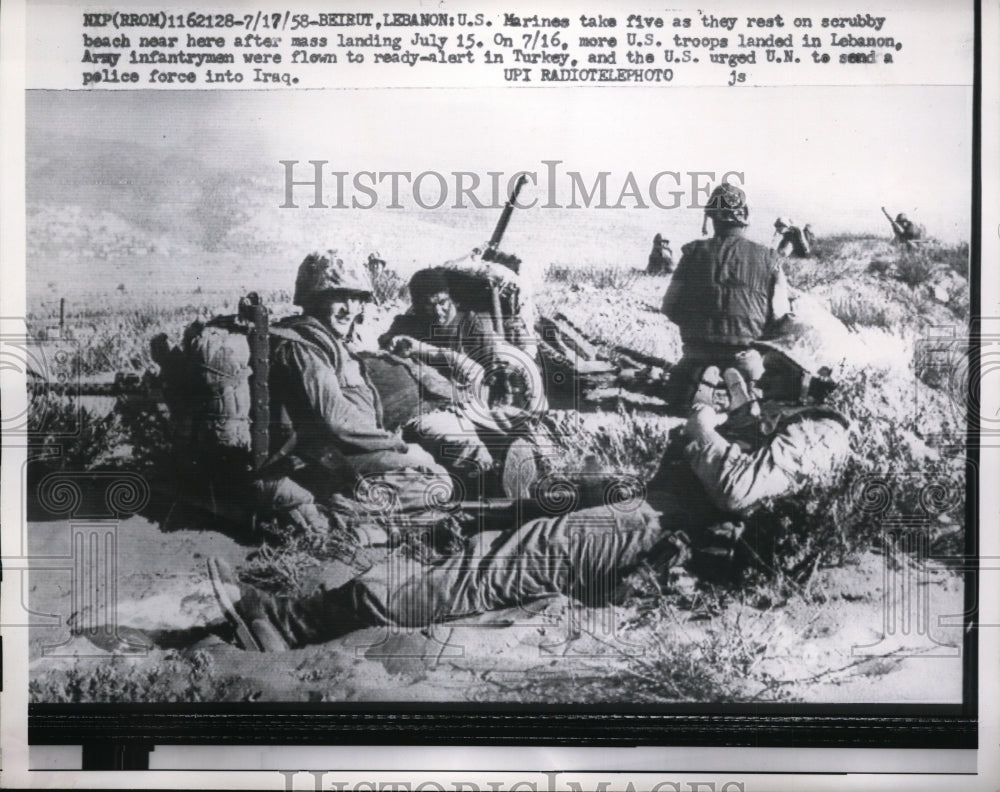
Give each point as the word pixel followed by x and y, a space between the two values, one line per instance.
pixel 218 357
pixel 217 406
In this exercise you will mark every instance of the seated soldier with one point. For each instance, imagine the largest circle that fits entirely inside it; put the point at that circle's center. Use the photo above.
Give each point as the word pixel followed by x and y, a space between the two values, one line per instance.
pixel 583 554
pixel 511 374
pixel 437 320
pixel 905 230
pixel 327 436
pixel 727 294
pixel 661 257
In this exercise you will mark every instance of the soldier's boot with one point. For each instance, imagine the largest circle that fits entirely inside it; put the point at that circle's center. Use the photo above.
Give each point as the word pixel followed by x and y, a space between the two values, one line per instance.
pixel 744 404
pixel 245 608
pixel 750 364
pixel 520 470
pixel 702 423
pixel 705 390
pixel 715 556
pixel 268 623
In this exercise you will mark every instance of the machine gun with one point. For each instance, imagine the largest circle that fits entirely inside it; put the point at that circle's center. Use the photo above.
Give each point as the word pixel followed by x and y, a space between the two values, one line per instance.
pixel 492 252
pixel 896 228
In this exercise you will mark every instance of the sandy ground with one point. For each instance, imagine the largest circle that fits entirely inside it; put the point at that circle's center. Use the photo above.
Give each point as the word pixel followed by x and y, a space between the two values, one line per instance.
pixel 851 637
pixel 841 643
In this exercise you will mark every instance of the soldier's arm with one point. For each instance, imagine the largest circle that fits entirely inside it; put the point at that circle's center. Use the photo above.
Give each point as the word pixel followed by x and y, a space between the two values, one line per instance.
pixel 463 367
pixel 481 332
pixel 780 304
pixel 334 414
pixel 673 302
pixel 399 326
pixel 736 481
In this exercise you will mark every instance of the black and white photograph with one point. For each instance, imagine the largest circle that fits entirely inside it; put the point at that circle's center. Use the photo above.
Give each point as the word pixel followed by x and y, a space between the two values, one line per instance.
pixel 495 374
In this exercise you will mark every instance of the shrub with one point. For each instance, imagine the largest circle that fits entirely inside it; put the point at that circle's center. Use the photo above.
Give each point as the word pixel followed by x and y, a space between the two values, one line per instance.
pixel 389 286
pixel 116 679
pixel 953 257
pixel 856 310
pixel 893 483
pixel 66 435
pixel 623 443
pixel 915 267
pixel 719 662
pixel 599 277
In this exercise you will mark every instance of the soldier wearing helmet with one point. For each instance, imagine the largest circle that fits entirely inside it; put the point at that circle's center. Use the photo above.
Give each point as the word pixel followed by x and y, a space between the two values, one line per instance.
pixel 793 241
pixel 327 435
pixel 904 230
pixel 727 293
pixel 661 257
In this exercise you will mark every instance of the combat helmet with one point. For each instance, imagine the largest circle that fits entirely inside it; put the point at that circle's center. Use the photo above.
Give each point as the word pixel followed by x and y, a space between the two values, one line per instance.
pixel 728 204
pixel 782 222
pixel 325 272
pixel 901 217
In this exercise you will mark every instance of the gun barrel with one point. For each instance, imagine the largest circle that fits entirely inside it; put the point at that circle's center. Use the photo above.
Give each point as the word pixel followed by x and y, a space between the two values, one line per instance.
pixel 508 210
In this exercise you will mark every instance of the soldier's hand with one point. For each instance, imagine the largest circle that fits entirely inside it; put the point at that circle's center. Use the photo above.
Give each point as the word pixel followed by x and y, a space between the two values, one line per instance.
pixel 702 422
pixel 402 345
pixel 421 349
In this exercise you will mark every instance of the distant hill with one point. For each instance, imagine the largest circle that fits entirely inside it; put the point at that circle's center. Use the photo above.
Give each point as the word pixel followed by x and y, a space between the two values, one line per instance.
pixel 133 192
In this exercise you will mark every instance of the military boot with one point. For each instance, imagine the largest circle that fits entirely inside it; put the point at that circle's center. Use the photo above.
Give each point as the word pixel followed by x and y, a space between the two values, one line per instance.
pixel 716 556
pixel 245 608
pixel 520 470
pixel 706 392
pixel 267 623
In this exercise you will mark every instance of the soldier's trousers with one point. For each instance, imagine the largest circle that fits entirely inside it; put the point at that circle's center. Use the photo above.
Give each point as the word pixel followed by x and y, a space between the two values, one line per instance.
pixel 382 481
pixel 453 438
pixel 582 554
pixel 686 374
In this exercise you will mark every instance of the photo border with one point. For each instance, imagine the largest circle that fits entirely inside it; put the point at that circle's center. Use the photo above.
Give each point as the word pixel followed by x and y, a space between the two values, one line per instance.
pixel 799 725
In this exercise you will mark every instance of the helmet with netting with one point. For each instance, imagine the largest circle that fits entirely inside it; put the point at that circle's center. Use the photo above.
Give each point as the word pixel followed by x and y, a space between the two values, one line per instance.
pixel 326 273
pixel 728 204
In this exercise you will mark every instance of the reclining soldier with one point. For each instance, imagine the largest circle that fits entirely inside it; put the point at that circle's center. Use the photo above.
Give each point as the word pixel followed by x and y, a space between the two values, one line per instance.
pixel 482 422
pixel 327 436
pixel 436 320
pixel 727 293
pixel 584 554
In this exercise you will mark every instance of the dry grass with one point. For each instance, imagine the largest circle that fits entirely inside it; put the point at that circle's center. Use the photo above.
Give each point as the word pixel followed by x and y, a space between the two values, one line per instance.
pixel 609 277
pixel 121 680
pixel 860 310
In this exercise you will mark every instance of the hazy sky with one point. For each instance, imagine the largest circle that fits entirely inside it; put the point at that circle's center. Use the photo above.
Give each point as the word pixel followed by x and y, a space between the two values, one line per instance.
pixel 830 156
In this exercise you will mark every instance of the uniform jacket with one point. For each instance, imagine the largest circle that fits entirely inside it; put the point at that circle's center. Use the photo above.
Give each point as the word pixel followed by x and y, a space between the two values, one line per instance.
pixel 726 290
pixel 323 402
pixel 470 332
